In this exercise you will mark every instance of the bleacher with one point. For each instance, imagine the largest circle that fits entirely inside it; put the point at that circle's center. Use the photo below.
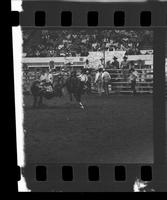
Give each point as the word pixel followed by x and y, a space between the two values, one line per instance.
pixel 121 86
pixel 144 82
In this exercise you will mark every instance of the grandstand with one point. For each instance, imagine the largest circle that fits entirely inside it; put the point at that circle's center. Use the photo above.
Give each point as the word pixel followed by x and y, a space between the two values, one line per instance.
pixel 66 43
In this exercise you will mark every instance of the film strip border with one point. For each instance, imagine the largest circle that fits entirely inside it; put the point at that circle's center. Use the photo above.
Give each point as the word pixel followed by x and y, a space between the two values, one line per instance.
pixel 51 14
pixel 94 178
pixel 67 14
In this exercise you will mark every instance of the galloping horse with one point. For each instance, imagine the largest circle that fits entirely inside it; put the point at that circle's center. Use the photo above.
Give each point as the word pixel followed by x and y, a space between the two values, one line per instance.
pixel 74 85
pixel 75 88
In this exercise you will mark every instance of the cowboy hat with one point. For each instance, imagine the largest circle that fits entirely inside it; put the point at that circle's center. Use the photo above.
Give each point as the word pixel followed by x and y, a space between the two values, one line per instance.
pixel 125 57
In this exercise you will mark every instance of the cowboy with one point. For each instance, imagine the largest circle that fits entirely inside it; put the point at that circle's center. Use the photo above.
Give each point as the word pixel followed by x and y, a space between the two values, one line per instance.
pixel 43 76
pixel 49 76
pixel 87 65
pixel 51 66
pixel 106 80
pixel 115 72
pixel 89 82
pixel 99 81
pixel 133 77
pixel 115 63
pixel 83 76
pixel 46 80
pixel 125 67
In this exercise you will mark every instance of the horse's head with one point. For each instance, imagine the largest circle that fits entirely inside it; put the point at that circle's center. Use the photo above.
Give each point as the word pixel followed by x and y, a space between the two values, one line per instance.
pixel 59 82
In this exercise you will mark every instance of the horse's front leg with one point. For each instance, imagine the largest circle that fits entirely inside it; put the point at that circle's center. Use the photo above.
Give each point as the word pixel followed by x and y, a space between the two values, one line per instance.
pixel 40 102
pixel 78 99
pixel 81 105
pixel 35 101
pixel 70 95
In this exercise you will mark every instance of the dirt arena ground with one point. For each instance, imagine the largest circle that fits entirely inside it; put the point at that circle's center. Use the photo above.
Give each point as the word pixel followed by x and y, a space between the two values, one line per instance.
pixel 114 129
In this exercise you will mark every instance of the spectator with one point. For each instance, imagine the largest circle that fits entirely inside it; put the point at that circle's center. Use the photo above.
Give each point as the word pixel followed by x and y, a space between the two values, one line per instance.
pixel 51 66
pixel 125 67
pixel 87 65
pixel 133 77
pixel 81 42
pixel 115 63
pixel 99 81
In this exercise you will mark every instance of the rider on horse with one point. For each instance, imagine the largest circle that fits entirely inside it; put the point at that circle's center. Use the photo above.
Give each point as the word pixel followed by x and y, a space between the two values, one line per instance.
pixel 84 78
pixel 46 80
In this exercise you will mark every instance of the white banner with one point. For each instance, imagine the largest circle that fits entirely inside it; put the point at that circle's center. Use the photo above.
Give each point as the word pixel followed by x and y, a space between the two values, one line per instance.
pixel 94 57
pixel 110 54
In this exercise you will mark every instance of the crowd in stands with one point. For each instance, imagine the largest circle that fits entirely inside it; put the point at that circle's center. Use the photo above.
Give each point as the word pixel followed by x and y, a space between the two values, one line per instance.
pixel 56 43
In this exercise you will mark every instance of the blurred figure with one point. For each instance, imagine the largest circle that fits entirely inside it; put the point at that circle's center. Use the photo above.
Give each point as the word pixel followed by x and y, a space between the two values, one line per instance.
pixel 87 65
pixel 84 78
pixel 106 81
pixel 51 66
pixel 49 76
pixel 115 73
pixel 125 67
pixel 99 81
pixel 133 77
pixel 37 74
pixel 89 82
pixel 43 76
pixel 101 65
pixel 46 80
pixel 115 63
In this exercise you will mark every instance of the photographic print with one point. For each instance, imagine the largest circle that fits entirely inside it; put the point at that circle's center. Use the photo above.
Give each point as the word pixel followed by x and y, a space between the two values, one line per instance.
pixel 87 95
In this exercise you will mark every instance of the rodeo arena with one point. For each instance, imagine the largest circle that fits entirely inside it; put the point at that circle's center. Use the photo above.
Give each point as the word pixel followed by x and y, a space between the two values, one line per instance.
pixel 88 96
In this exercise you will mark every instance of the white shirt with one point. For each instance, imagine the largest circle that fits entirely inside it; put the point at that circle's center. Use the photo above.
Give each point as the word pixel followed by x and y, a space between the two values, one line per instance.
pixel 106 76
pixel 47 77
pixel 43 77
pixel 97 76
pixel 87 66
pixel 83 77
pixel 133 76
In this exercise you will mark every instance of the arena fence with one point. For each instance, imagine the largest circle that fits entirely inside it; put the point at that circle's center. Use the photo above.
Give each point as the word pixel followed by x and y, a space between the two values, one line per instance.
pixel 121 84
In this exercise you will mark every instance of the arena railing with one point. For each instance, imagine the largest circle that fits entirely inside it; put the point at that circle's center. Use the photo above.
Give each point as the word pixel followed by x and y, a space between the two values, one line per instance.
pixel 121 84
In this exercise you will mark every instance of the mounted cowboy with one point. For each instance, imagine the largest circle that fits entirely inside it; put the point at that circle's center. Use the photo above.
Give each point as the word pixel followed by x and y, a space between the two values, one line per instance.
pixel 75 87
pixel 46 80
pixel 84 78
pixel 45 86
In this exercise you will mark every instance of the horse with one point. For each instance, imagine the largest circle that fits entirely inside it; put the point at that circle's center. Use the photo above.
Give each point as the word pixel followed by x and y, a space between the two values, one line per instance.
pixel 39 92
pixel 75 88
